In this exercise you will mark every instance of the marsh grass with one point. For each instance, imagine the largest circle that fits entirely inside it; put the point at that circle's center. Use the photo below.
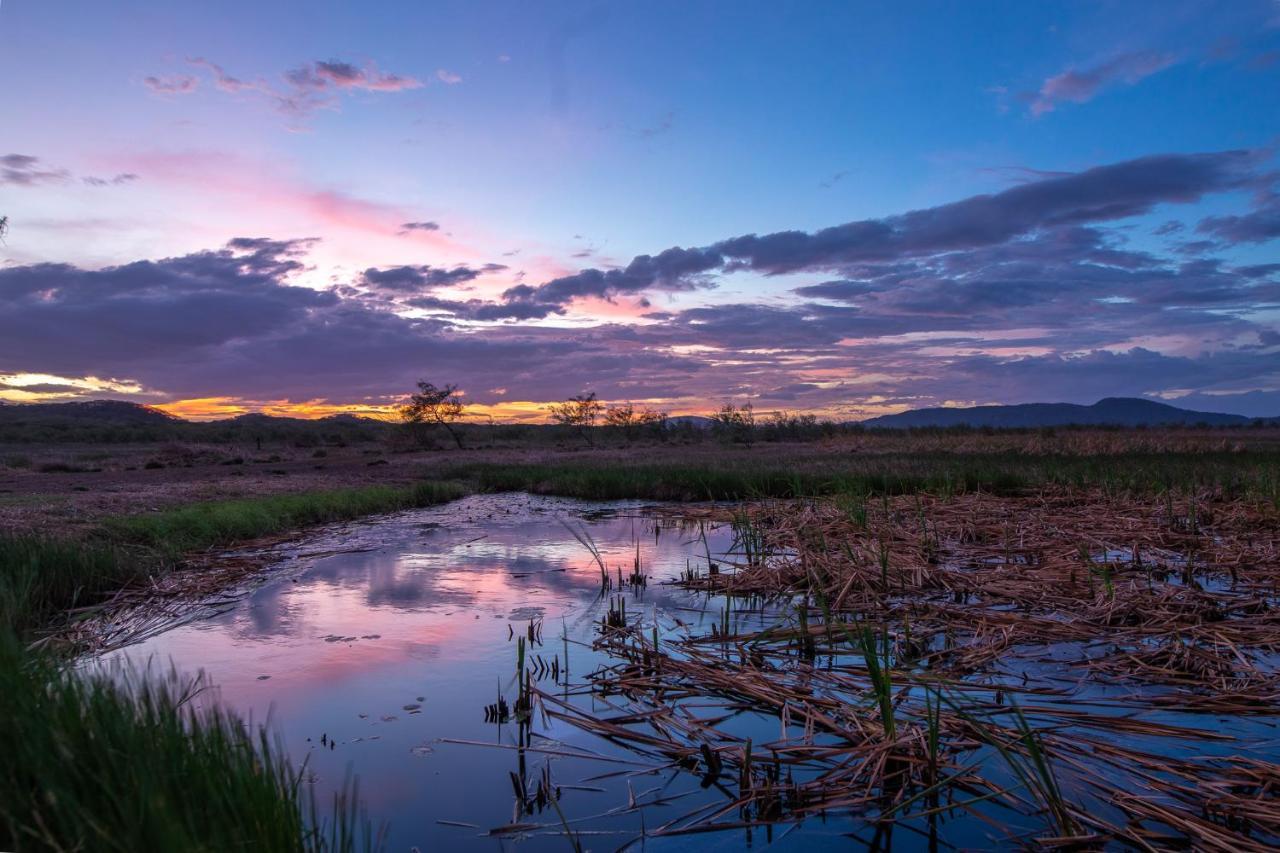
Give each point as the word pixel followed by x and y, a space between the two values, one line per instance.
pixel 219 523
pixel 40 577
pixel 1253 474
pixel 91 764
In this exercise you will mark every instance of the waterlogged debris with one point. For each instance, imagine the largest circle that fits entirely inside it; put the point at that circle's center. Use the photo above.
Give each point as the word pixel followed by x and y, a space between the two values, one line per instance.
pixel 422 750
pixel 389 718
pixel 413 707
pixel 263 677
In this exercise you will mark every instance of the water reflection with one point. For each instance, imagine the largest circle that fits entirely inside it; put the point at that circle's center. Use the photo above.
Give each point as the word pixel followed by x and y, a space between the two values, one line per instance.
pixel 376 654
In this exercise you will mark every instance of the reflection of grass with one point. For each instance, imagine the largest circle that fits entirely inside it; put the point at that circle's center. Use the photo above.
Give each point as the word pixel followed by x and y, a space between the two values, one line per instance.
pixel 91 766
pixel 42 576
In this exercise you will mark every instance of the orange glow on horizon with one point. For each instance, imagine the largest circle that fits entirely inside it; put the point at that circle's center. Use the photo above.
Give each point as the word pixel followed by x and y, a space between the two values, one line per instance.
pixel 506 412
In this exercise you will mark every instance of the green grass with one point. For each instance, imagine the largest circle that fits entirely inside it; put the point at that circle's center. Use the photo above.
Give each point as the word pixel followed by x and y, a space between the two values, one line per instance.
pixel 40 577
pixel 91 765
pixel 219 523
pixel 1253 474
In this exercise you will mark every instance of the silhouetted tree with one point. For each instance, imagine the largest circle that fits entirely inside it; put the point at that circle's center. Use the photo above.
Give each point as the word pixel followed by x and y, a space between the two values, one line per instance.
pixel 630 420
pixel 783 426
pixel 4 226
pixel 581 411
pixel 737 423
pixel 432 405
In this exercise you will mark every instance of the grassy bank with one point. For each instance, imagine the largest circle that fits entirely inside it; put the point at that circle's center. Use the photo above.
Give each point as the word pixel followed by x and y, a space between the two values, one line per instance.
pixel 43 577
pixel 220 523
pixel 88 765
pixel 1235 474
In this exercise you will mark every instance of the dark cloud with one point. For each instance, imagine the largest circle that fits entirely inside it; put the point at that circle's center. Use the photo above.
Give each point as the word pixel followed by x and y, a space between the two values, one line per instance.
pixel 1258 226
pixel 417 279
pixel 1100 194
pixel 77 322
pixel 1026 294
pixel 334 73
pixel 419 226
pixel 115 181
pixel 171 84
pixel 24 170
pixel 301 91
pixel 676 269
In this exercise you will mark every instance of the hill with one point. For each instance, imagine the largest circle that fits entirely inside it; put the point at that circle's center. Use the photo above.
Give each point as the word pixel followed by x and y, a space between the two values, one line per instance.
pixel 1112 411
pixel 100 412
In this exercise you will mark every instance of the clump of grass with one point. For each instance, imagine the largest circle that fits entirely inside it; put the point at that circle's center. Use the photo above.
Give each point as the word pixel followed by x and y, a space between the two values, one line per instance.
pixel 219 523
pixel 42 577
pixel 88 764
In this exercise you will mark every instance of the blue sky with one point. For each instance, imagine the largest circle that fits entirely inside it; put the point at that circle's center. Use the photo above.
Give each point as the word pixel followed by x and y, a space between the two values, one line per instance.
pixel 550 144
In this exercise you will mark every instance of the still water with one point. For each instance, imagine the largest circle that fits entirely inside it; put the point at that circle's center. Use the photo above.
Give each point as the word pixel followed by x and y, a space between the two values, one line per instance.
pixel 373 647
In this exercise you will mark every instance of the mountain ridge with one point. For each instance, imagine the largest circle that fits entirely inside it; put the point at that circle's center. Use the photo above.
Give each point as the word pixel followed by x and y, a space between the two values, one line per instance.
pixel 1109 411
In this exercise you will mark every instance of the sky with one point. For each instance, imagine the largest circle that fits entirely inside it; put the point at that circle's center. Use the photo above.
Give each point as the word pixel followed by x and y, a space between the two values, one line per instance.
pixel 846 209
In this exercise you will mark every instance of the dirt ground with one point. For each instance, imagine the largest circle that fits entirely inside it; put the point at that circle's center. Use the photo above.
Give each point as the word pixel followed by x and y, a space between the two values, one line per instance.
pixel 65 489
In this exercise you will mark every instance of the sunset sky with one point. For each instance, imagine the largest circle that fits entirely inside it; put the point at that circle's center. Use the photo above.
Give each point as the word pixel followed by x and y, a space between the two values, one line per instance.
pixel 847 209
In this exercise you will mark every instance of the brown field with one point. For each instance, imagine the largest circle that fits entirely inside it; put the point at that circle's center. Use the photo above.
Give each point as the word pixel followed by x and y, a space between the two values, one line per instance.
pixel 67 488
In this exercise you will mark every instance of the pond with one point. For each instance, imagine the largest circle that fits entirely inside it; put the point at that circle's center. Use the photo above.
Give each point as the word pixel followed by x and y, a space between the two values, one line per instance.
pixel 380 660
pixel 387 649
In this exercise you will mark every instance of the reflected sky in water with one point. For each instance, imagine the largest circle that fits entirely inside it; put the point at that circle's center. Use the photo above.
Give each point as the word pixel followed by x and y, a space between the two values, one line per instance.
pixel 403 638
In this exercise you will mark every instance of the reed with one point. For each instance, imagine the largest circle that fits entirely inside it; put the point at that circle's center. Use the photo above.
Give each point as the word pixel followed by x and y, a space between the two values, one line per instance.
pixel 93 764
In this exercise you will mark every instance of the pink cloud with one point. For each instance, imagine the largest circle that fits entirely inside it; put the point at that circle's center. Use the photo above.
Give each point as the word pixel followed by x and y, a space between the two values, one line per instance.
pixel 449 77
pixel 240 195
pixel 224 81
pixel 1080 85
pixel 298 92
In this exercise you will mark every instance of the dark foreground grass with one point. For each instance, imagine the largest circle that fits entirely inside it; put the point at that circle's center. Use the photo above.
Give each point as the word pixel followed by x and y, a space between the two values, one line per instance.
pixel 1239 474
pixel 89 765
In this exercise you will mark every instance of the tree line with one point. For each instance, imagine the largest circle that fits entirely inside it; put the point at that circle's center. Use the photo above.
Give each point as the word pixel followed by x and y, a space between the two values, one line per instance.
pixel 441 407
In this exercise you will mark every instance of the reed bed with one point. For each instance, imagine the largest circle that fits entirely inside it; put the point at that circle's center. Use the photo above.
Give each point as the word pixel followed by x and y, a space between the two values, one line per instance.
pixel 1073 668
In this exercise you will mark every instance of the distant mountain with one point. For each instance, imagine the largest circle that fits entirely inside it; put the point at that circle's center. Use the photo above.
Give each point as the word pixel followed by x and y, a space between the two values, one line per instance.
pixel 104 412
pixel 695 421
pixel 262 421
pixel 1112 411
